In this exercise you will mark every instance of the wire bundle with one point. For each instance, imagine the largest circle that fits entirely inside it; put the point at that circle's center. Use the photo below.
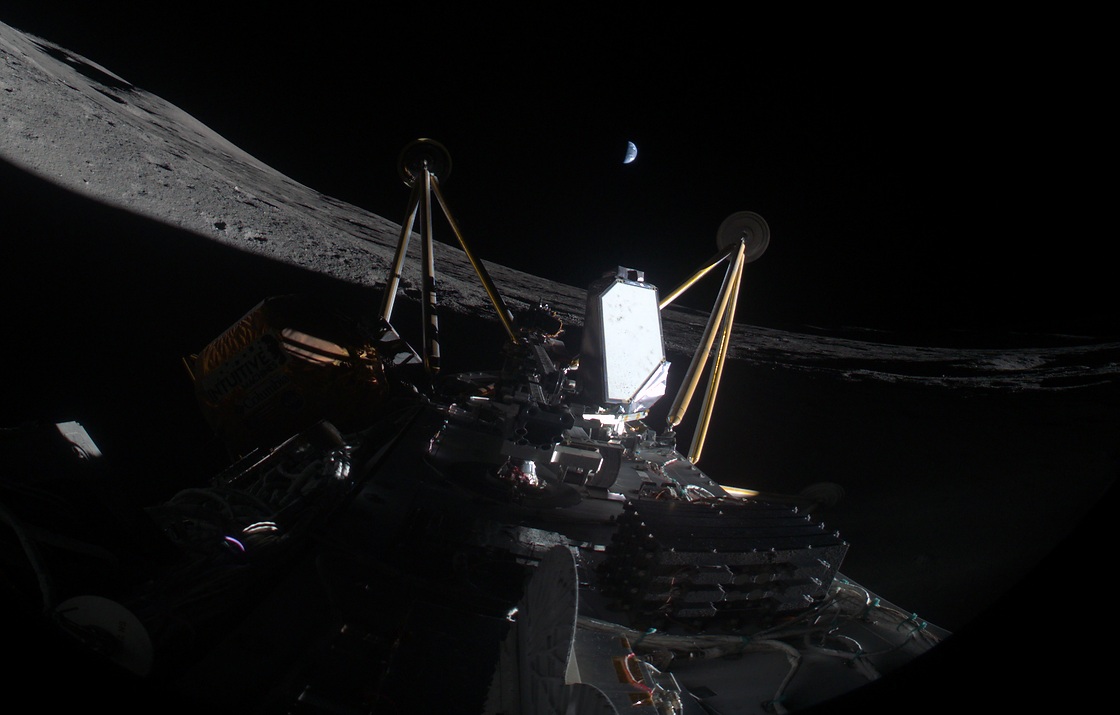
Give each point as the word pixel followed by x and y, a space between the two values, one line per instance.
pixel 815 631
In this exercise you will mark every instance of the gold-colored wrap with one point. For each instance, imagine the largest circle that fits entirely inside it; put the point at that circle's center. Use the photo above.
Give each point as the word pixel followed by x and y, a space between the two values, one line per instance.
pixel 283 367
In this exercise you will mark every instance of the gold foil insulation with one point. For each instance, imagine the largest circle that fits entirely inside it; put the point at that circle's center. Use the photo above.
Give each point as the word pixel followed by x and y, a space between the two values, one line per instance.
pixel 284 366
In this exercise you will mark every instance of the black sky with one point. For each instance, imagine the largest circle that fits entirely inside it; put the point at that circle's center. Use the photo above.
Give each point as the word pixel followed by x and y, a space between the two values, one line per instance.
pixel 913 186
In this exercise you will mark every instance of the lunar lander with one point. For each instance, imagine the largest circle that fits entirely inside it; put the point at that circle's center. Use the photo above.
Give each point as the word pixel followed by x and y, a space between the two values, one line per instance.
pixel 390 538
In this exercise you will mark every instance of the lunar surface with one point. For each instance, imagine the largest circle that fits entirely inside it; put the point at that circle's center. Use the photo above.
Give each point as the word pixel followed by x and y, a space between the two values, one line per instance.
pixel 72 122
pixel 135 234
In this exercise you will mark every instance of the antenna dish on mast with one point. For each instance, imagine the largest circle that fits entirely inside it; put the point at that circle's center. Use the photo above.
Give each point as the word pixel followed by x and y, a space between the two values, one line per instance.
pixel 748 227
pixel 420 153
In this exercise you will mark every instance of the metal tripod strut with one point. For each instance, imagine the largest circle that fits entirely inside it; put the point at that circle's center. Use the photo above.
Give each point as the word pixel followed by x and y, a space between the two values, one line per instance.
pixel 742 237
pixel 429 310
pixel 417 163
pixel 389 297
pixel 504 313
pixel 719 321
pixel 726 324
pixel 691 281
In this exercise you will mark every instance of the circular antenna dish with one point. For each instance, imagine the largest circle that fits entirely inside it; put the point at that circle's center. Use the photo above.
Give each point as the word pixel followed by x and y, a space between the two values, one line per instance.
pixel 421 153
pixel 746 226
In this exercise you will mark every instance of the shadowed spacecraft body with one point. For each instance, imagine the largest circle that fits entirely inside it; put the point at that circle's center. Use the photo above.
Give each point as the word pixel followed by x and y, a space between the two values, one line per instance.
pixel 521 540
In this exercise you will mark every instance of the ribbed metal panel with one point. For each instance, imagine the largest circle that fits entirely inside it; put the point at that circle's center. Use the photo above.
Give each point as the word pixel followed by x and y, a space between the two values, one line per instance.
pixel 733 561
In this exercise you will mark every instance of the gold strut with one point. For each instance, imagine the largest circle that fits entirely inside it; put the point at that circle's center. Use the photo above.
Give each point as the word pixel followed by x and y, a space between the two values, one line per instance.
pixel 504 313
pixel 708 406
pixel 723 319
pixel 389 297
pixel 428 308
pixel 712 263
pixel 420 202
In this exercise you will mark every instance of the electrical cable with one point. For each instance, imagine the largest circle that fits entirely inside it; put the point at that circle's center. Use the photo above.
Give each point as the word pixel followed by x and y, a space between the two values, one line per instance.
pixel 845 603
